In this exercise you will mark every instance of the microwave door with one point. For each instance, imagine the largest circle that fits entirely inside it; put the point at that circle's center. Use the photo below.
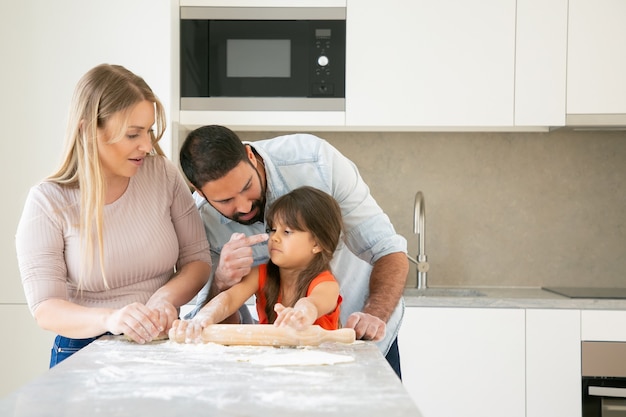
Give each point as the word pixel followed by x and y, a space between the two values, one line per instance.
pixel 257 59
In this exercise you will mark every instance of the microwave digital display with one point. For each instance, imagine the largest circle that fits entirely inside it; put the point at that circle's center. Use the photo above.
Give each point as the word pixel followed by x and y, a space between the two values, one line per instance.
pixel 322 33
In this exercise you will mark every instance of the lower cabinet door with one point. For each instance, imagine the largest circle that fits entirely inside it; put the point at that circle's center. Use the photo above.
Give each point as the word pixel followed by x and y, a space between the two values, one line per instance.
pixel 466 362
pixel 553 374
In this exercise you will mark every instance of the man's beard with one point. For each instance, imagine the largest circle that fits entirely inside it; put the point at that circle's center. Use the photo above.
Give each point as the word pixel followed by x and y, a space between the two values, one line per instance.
pixel 260 204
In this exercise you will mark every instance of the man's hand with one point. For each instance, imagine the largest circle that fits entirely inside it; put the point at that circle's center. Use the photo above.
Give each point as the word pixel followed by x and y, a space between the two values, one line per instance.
pixel 236 259
pixel 366 326
pixel 386 285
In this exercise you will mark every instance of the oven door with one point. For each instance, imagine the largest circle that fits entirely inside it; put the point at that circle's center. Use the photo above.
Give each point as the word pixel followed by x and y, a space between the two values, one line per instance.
pixel 242 58
pixel 603 379
pixel 267 58
pixel 604 397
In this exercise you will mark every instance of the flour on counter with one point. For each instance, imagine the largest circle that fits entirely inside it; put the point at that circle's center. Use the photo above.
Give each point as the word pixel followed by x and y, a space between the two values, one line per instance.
pixel 299 357
pixel 229 380
pixel 268 355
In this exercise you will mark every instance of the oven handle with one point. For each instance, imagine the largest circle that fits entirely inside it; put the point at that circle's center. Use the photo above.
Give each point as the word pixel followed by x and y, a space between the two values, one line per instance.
pixel 607 391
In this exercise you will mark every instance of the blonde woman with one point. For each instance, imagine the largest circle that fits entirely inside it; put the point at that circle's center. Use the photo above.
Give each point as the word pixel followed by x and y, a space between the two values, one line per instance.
pixel 112 241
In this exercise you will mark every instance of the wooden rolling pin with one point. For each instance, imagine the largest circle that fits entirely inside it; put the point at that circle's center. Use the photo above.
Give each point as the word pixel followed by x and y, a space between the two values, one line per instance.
pixel 270 335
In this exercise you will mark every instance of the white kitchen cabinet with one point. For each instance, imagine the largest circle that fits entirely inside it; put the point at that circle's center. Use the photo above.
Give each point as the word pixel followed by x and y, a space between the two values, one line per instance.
pixel 464 362
pixel 603 325
pixel 596 58
pixel 424 63
pixel 540 62
pixel 264 3
pixel 553 373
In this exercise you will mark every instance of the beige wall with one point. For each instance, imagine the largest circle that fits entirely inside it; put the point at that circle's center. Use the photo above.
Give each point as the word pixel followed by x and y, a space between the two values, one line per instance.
pixel 502 209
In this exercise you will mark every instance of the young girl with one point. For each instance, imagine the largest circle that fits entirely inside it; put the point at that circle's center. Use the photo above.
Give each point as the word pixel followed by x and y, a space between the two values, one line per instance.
pixel 296 288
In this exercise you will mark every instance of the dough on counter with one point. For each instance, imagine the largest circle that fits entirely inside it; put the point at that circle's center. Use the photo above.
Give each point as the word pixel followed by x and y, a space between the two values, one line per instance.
pixel 298 357
pixel 160 337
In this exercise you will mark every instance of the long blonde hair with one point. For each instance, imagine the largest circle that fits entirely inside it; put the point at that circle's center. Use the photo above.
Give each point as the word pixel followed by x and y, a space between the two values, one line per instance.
pixel 102 92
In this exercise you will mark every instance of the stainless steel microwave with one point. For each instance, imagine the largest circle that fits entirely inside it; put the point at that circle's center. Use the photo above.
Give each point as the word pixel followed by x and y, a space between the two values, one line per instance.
pixel 262 58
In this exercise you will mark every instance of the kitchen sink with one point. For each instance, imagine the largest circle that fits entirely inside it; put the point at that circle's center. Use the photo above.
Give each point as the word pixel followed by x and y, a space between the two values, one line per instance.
pixel 442 292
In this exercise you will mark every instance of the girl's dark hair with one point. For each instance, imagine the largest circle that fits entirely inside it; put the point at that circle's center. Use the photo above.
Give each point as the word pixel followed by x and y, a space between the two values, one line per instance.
pixel 209 153
pixel 311 210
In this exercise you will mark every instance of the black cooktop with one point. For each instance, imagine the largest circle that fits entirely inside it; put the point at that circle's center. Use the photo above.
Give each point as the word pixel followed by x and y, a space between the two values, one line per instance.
pixel 588 292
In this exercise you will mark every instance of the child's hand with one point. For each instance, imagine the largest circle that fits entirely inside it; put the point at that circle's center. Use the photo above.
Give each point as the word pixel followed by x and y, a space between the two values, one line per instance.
pixel 186 331
pixel 299 317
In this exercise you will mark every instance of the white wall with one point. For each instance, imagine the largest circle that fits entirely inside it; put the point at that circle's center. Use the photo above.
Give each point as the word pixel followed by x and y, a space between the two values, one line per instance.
pixel 46 46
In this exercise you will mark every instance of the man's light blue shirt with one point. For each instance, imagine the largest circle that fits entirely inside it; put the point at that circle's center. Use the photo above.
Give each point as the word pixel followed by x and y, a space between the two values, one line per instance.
pixel 292 161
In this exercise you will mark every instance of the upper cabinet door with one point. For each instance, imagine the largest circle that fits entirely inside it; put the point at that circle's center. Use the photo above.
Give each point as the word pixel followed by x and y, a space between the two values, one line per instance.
pixel 430 63
pixel 596 58
pixel 540 62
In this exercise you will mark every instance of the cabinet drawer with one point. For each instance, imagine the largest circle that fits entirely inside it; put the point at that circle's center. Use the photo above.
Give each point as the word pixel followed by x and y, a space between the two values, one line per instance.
pixel 603 325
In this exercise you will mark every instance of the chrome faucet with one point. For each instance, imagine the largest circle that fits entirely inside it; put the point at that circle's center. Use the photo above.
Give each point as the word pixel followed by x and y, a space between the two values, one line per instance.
pixel 419 214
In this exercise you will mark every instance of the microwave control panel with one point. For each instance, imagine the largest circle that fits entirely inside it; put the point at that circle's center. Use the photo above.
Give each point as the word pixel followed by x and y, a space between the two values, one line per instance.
pixel 323 70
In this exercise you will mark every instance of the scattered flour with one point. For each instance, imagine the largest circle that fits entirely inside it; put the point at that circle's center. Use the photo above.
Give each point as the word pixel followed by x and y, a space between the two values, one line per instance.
pixel 298 358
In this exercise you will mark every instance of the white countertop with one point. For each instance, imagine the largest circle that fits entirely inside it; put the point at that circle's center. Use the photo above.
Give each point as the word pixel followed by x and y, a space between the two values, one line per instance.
pixel 115 377
pixel 508 297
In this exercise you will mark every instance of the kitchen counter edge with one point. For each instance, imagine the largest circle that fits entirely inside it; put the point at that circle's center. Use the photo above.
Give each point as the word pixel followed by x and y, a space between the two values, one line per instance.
pixel 508 297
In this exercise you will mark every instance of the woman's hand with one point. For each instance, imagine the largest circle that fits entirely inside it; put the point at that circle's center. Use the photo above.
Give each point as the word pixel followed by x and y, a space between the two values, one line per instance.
pixel 166 312
pixel 138 322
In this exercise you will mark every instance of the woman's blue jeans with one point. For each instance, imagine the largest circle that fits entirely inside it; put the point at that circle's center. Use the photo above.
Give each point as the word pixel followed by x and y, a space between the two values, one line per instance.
pixel 64 347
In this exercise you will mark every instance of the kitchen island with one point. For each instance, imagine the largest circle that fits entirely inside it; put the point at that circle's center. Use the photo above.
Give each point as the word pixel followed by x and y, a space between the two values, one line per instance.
pixel 115 377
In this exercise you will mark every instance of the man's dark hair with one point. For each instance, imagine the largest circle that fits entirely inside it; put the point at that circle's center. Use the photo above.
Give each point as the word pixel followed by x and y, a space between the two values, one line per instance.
pixel 209 153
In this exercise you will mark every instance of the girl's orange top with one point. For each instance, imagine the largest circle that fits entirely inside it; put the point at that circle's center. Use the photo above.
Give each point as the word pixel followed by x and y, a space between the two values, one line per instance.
pixel 328 321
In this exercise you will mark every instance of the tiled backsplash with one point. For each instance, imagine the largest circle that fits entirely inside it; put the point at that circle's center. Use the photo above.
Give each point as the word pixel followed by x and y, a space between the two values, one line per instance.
pixel 502 209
